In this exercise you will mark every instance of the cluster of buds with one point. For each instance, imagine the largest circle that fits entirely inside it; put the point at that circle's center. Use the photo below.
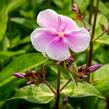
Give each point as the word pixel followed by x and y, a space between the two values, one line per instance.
pixel 84 71
pixel 77 12
pixel 69 63
pixel 32 77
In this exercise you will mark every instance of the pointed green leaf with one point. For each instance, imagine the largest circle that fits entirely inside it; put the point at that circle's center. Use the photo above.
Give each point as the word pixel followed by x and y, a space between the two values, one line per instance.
pixel 36 94
pixel 104 38
pixel 21 63
pixel 15 4
pixel 24 22
pixel 82 89
pixel 100 79
pixel 3 18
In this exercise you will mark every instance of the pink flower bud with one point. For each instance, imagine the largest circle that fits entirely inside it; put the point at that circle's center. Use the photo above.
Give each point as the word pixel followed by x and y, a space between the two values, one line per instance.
pixel 19 75
pixel 70 60
pixel 69 63
pixel 75 8
pixel 93 68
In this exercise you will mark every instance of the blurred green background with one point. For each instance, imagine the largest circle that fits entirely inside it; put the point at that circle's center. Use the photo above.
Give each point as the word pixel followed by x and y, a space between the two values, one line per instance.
pixel 17 21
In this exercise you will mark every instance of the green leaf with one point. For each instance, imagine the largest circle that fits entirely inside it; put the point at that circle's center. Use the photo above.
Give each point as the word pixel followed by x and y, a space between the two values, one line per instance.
pixel 3 18
pixel 82 89
pixel 8 88
pixel 7 54
pixel 21 63
pixel 83 4
pixel 2 5
pixel 1 103
pixel 59 3
pixel 14 4
pixel 5 44
pixel 20 41
pixel 36 94
pixel 24 22
pixel 100 79
pixel 103 8
pixel 104 39
pixel 100 18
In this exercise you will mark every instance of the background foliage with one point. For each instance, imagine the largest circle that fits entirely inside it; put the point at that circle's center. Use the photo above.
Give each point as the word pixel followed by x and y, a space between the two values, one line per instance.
pixel 17 21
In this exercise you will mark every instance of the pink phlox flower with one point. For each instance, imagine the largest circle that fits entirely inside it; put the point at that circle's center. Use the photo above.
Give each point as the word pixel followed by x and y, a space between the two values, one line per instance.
pixel 57 34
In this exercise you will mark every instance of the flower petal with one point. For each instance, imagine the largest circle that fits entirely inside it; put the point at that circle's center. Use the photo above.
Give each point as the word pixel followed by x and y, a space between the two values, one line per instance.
pixel 40 38
pixel 47 18
pixel 58 50
pixel 78 40
pixel 68 24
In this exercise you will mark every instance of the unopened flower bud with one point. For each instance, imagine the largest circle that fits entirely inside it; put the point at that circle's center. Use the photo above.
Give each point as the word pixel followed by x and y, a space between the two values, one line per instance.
pixel 75 8
pixel 82 68
pixel 84 71
pixel 70 61
pixel 32 77
pixel 19 75
pixel 77 11
pixel 93 68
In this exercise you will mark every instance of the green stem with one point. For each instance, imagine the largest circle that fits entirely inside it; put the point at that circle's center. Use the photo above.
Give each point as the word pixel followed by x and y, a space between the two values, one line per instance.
pixel 99 36
pixel 90 11
pixel 10 31
pixel 58 91
pixel 72 79
pixel 107 102
pixel 72 1
pixel 65 84
pixel 92 36
pixel 50 87
pixel 70 73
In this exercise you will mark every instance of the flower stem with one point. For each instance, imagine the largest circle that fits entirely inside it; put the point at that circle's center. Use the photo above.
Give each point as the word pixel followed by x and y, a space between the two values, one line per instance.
pixel 99 36
pixel 58 90
pixel 65 84
pixel 50 87
pixel 107 102
pixel 72 1
pixel 72 79
pixel 93 34
pixel 90 11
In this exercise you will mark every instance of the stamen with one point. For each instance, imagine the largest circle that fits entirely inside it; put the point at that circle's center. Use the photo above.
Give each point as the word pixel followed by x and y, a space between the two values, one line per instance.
pixel 61 34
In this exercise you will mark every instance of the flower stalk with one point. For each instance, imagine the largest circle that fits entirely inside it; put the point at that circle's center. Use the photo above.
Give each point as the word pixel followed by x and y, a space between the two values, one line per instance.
pixel 58 90
pixel 90 11
pixel 99 36
pixel 65 84
pixel 49 87
pixel 93 34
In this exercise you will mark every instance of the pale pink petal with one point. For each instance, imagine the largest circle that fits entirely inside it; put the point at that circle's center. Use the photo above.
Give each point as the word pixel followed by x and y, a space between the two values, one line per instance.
pixel 58 50
pixel 78 40
pixel 47 18
pixel 40 38
pixel 68 24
